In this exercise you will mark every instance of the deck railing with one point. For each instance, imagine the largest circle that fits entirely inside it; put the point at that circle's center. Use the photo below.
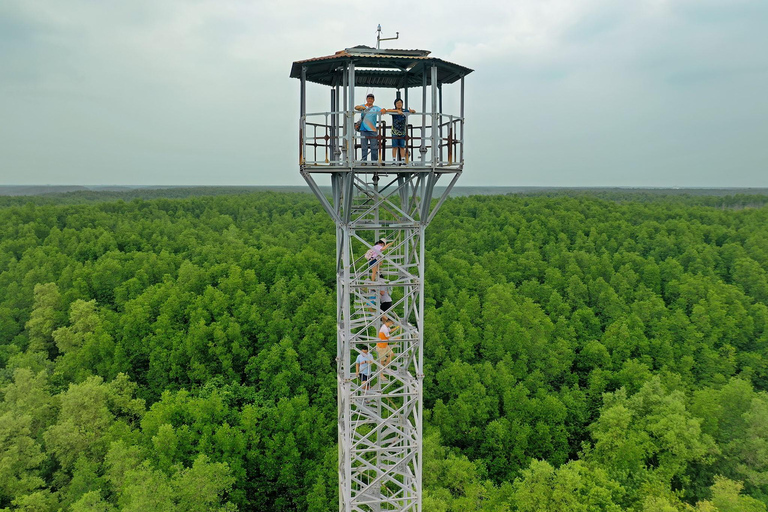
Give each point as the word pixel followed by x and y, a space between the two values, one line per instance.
pixel 323 142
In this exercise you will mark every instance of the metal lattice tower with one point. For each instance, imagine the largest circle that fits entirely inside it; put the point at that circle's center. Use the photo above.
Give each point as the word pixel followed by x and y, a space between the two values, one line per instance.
pixel 380 425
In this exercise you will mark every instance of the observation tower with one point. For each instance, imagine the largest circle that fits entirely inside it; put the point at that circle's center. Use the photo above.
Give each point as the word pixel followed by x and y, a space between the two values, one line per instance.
pixel 390 199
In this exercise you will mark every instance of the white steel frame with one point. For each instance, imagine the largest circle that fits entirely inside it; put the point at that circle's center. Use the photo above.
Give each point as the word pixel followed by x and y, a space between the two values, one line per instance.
pixel 379 425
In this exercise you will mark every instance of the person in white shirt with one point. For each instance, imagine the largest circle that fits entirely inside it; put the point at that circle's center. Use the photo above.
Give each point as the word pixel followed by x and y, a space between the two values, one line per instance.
pixel 386 299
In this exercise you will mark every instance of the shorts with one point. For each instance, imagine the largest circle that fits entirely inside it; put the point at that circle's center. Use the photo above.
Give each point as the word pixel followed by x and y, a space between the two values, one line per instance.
pixel 384 352
pixel 372 262
pixel 364 377
pixel 385 306
pixel 398 142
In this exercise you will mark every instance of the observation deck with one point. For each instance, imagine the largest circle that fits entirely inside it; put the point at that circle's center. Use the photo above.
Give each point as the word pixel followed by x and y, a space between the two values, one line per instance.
pixel 434 136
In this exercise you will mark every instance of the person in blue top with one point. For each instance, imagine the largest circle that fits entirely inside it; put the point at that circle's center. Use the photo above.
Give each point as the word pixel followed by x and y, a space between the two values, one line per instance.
pixel 363 366
pixel 398 129
pixel 368 130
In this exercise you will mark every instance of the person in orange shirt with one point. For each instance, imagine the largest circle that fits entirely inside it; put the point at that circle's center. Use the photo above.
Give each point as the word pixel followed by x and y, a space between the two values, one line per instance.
pixel 383 350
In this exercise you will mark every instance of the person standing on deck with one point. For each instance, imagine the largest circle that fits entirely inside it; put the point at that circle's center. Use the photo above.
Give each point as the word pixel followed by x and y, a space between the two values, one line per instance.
pixel 368 128
pixel 399 123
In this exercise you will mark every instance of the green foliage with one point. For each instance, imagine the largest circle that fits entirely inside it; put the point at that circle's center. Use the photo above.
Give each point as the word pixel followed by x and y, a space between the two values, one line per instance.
pixel 582 352
pixel 726 497
pixel 198 488
pixel 648 441
pixel 574 486
pixel 737 417
pixel 453 483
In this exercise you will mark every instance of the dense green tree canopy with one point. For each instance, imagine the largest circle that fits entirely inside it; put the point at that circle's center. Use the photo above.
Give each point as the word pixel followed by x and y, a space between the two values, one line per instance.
pixel 583 352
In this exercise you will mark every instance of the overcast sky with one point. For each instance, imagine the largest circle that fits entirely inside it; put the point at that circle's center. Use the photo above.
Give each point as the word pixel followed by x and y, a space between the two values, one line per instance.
pixel 565 92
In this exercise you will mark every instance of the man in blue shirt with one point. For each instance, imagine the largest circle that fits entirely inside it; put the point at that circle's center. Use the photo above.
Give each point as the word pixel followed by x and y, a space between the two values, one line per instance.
pixel 368 131
pixel 363 366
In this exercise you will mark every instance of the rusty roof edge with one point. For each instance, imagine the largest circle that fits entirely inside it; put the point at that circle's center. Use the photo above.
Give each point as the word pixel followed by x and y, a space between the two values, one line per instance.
pixel 376 56
pixel 410 60
pixel 367 51
pixel 387 52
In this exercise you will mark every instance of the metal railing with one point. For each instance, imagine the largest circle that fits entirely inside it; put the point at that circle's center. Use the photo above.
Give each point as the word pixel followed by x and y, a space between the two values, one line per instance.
pixel 323 142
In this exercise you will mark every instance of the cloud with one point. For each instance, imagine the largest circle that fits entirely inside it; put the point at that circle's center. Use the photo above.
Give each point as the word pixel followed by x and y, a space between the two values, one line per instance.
pixel 565 92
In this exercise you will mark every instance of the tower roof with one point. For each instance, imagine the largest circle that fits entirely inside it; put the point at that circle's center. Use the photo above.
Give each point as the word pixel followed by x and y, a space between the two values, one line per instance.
pixel 379 68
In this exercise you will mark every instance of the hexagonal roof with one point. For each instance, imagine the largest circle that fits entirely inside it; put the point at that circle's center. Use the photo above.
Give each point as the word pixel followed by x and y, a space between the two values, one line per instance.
pixel 379 68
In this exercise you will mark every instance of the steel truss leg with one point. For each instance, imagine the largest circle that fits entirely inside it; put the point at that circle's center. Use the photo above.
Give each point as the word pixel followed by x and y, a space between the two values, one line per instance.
pixel 380 422
pixel 382 436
